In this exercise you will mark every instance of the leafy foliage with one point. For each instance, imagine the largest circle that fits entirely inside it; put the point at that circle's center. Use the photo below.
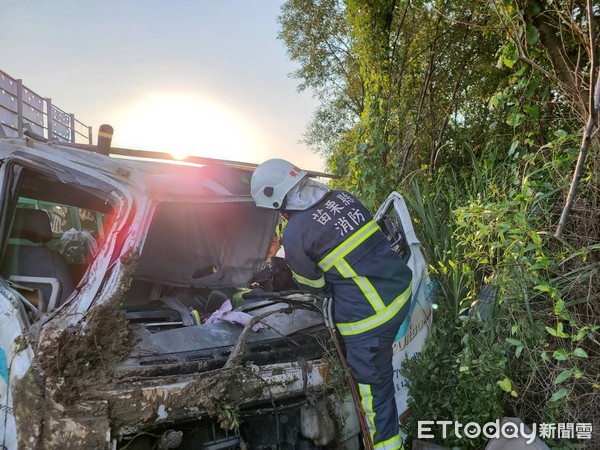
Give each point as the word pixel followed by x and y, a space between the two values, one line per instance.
pixel 511 327
pixel 475 111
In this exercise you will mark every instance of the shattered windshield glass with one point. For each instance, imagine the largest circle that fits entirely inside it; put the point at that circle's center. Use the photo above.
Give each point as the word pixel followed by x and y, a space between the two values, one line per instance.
pixel 206 244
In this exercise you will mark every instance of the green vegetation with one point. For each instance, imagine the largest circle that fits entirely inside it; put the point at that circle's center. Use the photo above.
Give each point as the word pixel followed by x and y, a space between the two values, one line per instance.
pixel 479 112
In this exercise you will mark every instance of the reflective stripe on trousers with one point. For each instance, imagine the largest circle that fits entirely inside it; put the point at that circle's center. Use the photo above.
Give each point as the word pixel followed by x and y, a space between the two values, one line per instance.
pixel 393 443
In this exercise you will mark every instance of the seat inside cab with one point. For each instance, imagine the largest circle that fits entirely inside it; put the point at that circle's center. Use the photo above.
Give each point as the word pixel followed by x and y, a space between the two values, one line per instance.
pixel 31 263
pixel 51 236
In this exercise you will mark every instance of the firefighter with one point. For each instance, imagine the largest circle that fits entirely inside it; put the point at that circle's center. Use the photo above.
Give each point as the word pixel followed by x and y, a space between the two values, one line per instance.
pixel 332 244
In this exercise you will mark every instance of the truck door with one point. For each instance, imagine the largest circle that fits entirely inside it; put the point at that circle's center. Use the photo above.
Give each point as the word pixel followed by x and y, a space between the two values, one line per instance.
pixel 394 219
pixel 15 352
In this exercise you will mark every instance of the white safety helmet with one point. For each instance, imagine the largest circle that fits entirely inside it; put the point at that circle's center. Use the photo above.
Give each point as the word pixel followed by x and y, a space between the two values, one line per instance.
pixel 272 180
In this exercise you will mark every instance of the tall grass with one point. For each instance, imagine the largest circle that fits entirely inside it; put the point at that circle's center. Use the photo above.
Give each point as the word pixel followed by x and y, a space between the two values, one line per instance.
pixel 537 354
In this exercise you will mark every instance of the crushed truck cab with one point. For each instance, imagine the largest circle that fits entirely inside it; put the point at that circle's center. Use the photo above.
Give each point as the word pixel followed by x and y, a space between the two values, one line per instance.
pixel 109 267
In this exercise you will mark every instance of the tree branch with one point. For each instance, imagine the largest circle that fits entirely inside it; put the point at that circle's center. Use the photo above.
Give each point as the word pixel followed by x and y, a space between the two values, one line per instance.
pixel 594 100
pixel 237 354
pixel 563 66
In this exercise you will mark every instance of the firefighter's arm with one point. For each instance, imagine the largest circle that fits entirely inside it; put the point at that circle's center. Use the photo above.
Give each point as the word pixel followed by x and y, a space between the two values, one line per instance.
pixel 305 272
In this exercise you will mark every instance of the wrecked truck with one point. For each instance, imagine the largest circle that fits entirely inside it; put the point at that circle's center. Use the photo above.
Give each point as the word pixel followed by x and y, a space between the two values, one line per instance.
pixel 109 267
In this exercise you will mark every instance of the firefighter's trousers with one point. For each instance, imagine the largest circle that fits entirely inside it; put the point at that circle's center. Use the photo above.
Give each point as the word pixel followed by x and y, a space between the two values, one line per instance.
pixel 370 362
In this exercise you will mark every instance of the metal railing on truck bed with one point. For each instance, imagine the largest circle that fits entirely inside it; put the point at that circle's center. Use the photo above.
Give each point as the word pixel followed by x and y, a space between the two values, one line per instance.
pixel 21 109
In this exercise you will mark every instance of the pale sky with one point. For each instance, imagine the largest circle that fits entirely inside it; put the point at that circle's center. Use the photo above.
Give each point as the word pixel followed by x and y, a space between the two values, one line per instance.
pixel 204 77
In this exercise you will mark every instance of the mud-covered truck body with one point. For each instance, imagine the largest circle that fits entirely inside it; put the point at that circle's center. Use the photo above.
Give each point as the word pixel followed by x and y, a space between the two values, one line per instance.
pixel 109 269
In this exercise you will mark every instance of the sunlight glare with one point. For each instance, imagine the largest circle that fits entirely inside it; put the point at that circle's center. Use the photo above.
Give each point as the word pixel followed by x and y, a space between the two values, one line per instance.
pixel 188 124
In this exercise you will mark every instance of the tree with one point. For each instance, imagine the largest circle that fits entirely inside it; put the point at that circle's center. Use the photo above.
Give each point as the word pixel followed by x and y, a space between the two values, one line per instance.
pixel 316 36
pixel 396 80
pixel 491 98
pixel 559 40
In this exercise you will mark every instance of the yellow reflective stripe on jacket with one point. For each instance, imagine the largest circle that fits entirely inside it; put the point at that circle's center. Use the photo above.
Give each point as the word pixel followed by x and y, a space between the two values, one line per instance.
pixel 348 245
pixel 366 400
pixel 319 283
pixel 377 319
pixel 363 283
pixel 394 443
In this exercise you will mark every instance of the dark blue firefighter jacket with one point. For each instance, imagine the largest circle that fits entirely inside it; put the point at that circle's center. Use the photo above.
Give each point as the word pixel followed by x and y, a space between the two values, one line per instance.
pixel 336 245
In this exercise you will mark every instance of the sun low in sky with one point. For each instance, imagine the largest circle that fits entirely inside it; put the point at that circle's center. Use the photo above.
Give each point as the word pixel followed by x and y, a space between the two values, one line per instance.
pixel 184 124
pixel 196 77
